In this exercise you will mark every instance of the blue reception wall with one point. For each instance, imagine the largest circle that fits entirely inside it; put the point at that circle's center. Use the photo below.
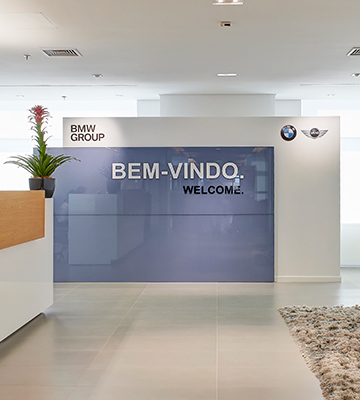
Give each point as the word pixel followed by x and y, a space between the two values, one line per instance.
pixel 165 214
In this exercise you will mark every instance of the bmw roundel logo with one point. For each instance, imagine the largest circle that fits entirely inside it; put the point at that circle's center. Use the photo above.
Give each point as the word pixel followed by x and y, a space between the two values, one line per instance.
pixel 288 132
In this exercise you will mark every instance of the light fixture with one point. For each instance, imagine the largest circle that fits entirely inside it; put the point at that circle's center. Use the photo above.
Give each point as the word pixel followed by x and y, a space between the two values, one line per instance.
pixel 228 2
pixel 356 74
pixel 69 86
pixel 97 76
pixel 225 24
pixel 226 74
pixel 330 84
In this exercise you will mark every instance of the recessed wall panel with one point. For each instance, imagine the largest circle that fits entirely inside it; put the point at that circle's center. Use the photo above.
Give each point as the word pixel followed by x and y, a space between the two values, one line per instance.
pixel 165 214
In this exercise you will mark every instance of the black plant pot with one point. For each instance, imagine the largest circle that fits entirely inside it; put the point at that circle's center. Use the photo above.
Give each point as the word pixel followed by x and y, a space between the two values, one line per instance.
pixel 47 184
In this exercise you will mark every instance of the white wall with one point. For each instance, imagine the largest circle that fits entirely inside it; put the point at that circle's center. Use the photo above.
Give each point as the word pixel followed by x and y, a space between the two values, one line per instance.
pixel 307 176
pixel 148 108
pixel 300 164
pixel 349 112
pixel 288 108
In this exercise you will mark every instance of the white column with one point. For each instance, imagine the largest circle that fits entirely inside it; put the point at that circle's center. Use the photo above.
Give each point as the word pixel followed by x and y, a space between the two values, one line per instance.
pixel 148 108
pixel 214 105
pixel 288 108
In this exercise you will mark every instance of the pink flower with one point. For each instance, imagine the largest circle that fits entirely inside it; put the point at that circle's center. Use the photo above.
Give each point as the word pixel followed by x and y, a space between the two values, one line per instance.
pixel 39 114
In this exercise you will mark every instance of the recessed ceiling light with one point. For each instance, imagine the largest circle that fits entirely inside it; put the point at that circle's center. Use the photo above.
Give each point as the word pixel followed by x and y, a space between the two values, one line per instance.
pixel 330 84
pixel 356 74
pixel 20 96
pixel 331 94
pixel 97 76
pixel 226 75
pixel 227 2
pixel 68 86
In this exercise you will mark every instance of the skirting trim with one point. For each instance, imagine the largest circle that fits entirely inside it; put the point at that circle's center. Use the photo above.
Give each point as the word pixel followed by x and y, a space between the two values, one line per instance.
pixel 325 279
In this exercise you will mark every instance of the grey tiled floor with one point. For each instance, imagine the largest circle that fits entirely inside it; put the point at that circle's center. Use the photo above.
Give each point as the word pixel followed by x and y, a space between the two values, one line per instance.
pixel 166 341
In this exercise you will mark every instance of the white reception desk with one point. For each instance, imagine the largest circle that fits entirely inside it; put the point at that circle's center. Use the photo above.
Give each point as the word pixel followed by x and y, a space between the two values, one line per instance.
pixel 26 269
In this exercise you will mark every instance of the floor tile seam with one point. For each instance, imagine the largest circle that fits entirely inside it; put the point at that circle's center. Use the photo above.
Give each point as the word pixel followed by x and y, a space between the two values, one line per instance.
pixel 178 307
pixel 29 386
pixel 3 385
pixel 75 284
pixel 244 309
pixel 111 335
pixel 35 385
pixel 61 297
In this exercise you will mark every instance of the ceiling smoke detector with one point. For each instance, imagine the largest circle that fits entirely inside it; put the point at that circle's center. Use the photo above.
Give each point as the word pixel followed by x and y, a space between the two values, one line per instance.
pixel 355 51
pixel 62 52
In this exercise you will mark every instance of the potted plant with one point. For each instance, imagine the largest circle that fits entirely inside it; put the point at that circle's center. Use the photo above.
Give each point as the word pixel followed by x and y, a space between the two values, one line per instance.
pixel 41 165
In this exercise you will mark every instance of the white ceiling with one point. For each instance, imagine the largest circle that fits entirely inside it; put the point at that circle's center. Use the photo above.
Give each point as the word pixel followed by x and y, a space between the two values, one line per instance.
pixel 145 48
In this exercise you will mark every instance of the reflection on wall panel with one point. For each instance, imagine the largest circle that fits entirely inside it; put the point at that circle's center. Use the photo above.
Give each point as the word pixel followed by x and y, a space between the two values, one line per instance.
pixel 92 217
pixel 165 214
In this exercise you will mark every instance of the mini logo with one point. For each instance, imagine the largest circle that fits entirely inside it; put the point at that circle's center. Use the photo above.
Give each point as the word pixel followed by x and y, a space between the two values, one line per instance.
pixel 314 133
pixel 288 132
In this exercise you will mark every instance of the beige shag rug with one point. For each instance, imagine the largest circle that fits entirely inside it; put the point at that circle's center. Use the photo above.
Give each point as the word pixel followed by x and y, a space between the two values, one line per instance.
pixel 329 339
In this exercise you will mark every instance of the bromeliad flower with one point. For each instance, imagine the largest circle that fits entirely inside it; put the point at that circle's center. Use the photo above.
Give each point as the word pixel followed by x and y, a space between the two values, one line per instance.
pixel 42 164
pixel 39 114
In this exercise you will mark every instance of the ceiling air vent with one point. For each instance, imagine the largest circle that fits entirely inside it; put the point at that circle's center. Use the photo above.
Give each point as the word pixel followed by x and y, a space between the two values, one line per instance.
pixel 62 52
pixel 355 51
